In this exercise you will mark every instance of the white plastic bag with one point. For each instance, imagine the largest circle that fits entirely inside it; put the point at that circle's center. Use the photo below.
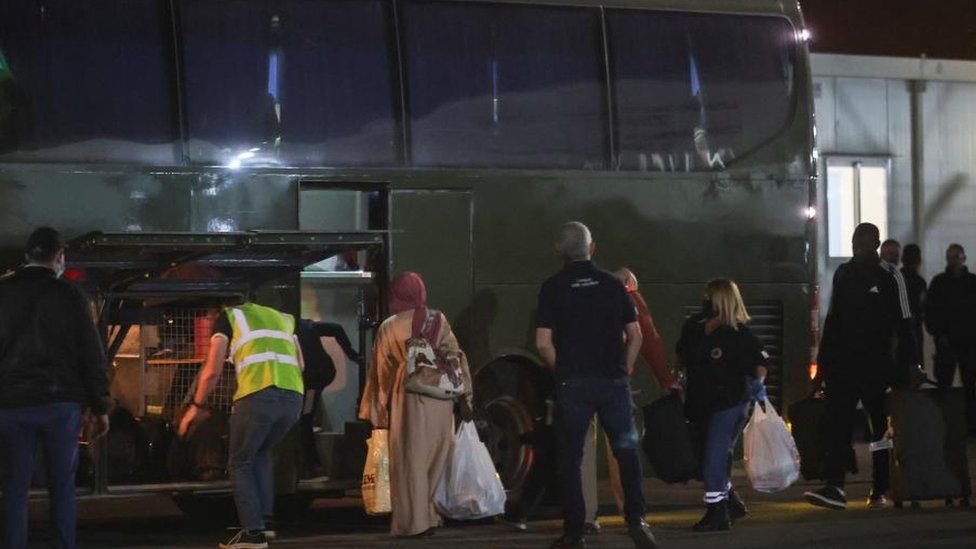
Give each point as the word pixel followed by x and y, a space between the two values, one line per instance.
pixel 376 473
pixel 771 458
pixel 470 488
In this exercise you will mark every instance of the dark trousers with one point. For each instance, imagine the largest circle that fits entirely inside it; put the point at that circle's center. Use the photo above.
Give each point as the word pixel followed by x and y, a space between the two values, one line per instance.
pixel 578 400
pixel 55 426
pixel 842 412
pixel 963 355
pixel 307 426
pixel 258 422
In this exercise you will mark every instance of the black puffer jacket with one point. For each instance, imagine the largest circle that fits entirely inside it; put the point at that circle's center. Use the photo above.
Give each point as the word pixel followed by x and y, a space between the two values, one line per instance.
pixel 50 350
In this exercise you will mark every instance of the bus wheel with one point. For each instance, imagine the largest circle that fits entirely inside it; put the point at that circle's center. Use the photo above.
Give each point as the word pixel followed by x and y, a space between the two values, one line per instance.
pixel 502 426
pixel 506 401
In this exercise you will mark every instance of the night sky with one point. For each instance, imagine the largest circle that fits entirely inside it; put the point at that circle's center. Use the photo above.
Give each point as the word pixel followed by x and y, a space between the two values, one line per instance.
pixel 944 29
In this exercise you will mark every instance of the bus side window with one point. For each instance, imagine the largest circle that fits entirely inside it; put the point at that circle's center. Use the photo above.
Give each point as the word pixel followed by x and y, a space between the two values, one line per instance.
pixel 289 82
pixel 88 81
pixel 694 91
pixel 505 85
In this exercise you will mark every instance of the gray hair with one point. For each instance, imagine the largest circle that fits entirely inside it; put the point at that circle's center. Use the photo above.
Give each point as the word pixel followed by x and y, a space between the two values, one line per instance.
pixel 574 240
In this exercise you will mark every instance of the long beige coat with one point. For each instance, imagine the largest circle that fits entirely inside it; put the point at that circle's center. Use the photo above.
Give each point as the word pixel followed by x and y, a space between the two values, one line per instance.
pixel 421 428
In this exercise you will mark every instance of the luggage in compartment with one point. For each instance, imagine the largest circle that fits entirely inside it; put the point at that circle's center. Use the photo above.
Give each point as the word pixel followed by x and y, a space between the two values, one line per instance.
pixel 929 434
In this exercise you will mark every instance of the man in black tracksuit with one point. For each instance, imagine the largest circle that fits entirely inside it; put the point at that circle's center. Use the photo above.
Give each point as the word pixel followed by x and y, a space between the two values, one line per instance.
pixel 950 316
pixel 869 317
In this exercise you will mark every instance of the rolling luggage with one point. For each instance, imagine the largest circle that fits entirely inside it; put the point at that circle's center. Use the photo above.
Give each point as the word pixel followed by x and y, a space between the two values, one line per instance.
pixel 668 441
pixel 807 418
pixel 929 434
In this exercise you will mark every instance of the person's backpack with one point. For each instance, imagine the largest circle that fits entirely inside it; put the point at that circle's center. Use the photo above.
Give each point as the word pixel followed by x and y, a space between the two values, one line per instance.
pixel 430 371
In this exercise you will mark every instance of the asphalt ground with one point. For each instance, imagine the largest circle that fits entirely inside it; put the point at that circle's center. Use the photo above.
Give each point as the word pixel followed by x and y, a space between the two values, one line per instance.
pixel 775 521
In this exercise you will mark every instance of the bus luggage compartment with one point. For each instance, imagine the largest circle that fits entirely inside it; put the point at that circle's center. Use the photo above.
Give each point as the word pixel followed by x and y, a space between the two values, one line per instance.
pixel 155 297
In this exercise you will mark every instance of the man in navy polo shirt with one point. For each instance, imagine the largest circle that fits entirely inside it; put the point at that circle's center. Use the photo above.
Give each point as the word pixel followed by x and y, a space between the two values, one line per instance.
pixel 584 313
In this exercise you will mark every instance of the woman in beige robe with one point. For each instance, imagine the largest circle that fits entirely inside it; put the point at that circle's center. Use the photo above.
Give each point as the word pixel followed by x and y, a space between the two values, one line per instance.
pixel 421 427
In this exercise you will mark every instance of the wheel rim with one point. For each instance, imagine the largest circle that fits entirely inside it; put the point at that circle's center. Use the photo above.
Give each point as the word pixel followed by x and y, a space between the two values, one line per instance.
pixel 502 426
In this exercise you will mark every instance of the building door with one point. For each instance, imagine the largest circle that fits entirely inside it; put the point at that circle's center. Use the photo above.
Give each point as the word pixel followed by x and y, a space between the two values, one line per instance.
pixel 856 191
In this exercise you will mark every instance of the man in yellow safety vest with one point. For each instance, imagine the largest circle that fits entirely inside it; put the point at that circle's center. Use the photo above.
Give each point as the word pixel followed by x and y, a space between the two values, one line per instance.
pixel 268 402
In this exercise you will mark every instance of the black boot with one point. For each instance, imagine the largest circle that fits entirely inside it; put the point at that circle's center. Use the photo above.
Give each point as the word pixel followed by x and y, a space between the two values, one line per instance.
pixel 716 518
pixel 737 507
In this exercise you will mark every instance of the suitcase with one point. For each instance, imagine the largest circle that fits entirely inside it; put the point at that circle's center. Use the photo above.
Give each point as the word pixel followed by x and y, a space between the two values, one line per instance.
pixel 669 442
pixel 929 459
pixel 807 419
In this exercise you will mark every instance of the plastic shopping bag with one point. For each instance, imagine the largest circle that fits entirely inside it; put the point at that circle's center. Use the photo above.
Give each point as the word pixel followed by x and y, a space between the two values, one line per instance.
pixel 376 474
pixel 771 458
pixel 470 488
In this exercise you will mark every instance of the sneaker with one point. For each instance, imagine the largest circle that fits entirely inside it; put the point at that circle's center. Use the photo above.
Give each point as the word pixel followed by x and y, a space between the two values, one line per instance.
pixel 270 530
pixel 641 535
pixel 878 502
pixel 517 524
pixel 592 528
pixel 716 518
pixel 567 541
pixel 737 507
pixel 830 497
pixel 246 540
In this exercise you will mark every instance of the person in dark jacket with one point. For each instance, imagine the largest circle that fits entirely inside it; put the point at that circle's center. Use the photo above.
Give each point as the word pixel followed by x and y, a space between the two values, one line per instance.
pixel 582 316
pixel 722 359
pixel 320 371
pixel 891 252
pixel 869 317
pixel 950 316
pixel 53 368
pixel 916 286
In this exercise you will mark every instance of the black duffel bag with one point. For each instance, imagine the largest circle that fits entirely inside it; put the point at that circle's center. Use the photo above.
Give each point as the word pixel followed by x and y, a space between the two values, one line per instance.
pixel 809 427
pixel 669 442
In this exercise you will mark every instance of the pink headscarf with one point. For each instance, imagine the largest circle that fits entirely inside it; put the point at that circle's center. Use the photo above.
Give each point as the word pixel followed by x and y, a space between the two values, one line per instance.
pixel 407 291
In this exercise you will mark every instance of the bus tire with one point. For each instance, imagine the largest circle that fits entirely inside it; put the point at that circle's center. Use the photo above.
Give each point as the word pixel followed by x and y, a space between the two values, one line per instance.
pixel 506 405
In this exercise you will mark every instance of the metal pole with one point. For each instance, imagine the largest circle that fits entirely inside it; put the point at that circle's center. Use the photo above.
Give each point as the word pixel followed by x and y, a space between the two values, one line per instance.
pixel 916 88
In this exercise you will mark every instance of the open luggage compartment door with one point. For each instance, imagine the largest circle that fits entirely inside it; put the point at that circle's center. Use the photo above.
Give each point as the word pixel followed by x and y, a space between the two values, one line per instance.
pixel 156 295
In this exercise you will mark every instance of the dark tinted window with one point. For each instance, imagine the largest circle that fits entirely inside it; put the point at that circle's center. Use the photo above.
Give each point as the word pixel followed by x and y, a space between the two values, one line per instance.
pixel 504 85
pixel 294 82
pixel 87 81
pixel 693 91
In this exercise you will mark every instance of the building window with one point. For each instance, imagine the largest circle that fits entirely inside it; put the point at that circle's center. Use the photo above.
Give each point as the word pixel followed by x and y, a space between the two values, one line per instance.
pixel 857 192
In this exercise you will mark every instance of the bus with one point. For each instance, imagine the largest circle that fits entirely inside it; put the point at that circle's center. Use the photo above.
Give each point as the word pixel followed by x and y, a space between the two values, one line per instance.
pixel 314 148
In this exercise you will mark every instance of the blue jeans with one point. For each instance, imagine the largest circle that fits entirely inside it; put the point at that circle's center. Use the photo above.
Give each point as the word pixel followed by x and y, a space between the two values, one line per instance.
pixel 56 426
pixel 724 427
pixel 257 423
pixel 578 400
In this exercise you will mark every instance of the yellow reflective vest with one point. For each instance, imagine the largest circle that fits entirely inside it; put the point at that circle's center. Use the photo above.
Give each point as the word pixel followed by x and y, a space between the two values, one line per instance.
pixel 264 350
